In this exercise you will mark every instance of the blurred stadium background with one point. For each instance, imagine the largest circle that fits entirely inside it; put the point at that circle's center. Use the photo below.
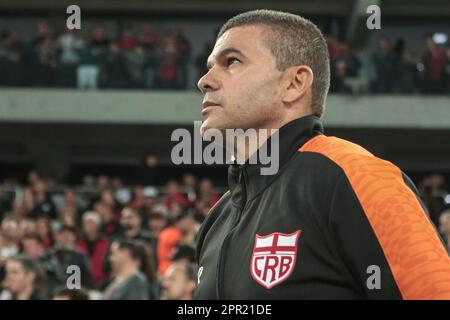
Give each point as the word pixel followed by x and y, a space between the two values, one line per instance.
pixel 86 118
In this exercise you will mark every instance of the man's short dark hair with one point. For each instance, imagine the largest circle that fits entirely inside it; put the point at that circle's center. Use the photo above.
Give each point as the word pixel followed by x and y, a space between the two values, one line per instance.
pixel 134 211
pixel 34 237
pixel 189 269
pixel 184 214
pixel 73 294
pixel 27 264
pixel 293 41
pixel 67 228
pixel 140 251
pixel 184 252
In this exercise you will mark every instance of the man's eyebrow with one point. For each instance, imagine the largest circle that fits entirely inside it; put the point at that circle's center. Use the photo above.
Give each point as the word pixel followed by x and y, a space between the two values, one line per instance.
pixel 222 53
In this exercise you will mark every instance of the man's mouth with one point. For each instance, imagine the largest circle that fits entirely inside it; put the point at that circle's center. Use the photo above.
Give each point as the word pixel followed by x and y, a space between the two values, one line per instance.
pixel 209 105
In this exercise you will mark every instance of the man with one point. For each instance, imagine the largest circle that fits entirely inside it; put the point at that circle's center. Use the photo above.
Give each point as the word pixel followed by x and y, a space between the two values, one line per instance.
pixel 184 253
pixel 334 222
pixel 110 226
pixel 32 247
pixel 94 246
pixel 383 61
pixel 63 255
pixel 131 223
pixel 129 282
pixel 21 279
pixel 179 282
pixel 433 61
pixel 44 205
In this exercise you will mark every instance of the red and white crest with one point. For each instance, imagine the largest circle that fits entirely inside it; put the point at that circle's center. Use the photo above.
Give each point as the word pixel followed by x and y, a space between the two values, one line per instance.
pixel 273 258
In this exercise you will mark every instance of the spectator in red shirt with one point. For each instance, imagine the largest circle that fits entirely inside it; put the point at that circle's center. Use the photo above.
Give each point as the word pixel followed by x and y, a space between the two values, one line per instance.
pixel 167 72
pixel 147 37
pixel 127 41
pixel 173 194
pixel 110 225
pixel 447 71
pixel 138 198
pixel 94 246
pixel 433 60
pixel 107 196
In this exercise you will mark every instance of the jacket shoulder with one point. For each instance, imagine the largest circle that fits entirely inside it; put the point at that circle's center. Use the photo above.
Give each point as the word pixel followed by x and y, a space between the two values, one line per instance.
pixel 334 146
pixel 349 156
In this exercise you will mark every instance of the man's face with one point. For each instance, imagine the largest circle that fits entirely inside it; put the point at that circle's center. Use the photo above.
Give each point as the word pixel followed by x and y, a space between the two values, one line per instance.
pixel 186 225
pixel 103 211
pixel 65 238
pixel 242 87
pixel 90 227
pixel 32 248
pixel 117 257
pixel 129 220
pixel 156 225
pixel 205 186
pixel 445 225
pixel 176 286
pixel 17 279
pixel 430 43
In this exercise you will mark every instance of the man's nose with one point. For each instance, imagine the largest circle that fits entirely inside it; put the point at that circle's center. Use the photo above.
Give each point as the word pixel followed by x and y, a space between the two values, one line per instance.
pixel 208 82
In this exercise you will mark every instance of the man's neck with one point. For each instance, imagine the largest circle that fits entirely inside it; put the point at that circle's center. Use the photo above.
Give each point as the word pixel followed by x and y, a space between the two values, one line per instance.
pixel 67 246
pixel 127 271
pixel 92 237
pixel 243 151
pixel 242 148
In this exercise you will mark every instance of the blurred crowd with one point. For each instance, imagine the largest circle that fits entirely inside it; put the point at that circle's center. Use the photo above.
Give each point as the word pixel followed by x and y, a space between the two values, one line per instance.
pixel 140 58
pixel 127 242
pixel 397 70
pixel 102 241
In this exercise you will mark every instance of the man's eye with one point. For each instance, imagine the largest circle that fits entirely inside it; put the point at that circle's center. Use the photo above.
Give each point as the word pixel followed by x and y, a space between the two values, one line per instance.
pixel 231 61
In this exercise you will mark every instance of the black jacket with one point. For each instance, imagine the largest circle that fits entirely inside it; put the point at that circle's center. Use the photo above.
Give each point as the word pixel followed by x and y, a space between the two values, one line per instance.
pixel 335 222
pixel 56 263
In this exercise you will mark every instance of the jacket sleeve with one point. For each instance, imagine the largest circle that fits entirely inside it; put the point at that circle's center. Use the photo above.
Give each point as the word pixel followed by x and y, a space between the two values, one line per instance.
pixel 384 236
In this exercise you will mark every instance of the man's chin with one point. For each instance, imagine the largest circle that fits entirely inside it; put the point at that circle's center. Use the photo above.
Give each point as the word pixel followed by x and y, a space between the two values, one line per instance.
pixel 208 125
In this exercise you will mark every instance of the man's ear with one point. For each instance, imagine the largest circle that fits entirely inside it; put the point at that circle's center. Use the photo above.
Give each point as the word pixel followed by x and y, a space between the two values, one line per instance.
pixel 297 81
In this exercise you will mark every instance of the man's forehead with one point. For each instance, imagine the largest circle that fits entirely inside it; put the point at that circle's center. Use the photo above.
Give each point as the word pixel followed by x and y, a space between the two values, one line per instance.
pixel 242 33
pixel 243 38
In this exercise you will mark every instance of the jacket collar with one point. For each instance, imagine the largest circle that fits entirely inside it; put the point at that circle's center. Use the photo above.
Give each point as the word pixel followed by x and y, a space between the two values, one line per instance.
pixel 246 181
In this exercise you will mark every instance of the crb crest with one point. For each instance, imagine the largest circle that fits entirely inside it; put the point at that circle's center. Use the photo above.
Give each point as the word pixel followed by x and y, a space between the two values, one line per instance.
pixel 274 257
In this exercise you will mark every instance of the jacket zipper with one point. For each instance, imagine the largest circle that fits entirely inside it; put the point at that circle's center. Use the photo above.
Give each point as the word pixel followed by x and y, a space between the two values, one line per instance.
pixel 223 249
